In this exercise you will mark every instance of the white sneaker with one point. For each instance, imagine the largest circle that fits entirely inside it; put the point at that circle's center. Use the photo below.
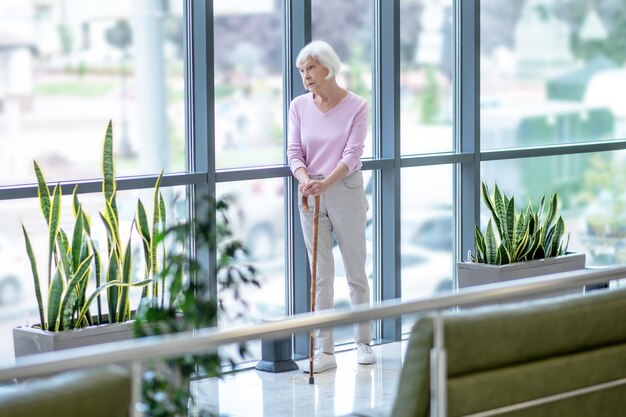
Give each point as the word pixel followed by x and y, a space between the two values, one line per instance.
pixel 322 362
pixel 365 355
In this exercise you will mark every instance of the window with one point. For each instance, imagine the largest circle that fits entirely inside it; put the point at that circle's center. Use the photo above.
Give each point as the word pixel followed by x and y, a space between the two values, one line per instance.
pixel 346 26
pixel 548 76
pixel 65 71
pixel 248 83
pixel 426 82
pixel 549 71
pixel 427 233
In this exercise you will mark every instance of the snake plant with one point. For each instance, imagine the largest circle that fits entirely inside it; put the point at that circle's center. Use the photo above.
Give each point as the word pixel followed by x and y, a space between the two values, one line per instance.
pixel 513 236
pixel 72 259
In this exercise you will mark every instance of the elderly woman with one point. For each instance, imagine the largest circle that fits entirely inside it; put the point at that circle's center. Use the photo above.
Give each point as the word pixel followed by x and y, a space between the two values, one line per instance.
pixel 327 129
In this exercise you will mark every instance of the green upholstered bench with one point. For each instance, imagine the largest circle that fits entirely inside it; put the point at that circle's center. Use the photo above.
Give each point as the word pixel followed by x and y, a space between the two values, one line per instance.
pixel 97 392
pixel 499 356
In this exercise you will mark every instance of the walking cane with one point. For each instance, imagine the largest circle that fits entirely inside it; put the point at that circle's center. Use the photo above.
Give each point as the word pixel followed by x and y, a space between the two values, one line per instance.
pixel 316 215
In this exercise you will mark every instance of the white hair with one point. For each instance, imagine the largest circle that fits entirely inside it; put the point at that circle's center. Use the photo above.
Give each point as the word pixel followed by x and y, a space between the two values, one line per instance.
pixel 322 52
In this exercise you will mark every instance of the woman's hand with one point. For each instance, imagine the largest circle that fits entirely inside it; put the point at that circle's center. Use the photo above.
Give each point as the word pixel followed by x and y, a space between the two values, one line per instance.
pixel 313 188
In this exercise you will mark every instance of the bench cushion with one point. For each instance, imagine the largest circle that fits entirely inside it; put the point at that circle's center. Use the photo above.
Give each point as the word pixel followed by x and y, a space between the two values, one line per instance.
pixel 98 392
pixel 502 337
pixel 501 387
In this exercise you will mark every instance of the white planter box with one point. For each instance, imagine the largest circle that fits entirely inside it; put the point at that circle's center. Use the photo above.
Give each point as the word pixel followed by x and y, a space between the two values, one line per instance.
pixel 29 340
pixel 470 274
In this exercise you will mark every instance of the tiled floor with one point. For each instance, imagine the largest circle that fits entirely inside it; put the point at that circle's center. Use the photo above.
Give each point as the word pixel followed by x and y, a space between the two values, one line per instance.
pixel 350 387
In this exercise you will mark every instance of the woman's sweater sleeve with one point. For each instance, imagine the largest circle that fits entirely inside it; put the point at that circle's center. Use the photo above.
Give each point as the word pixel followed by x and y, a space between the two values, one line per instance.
pixel 351 155
pixel 295 154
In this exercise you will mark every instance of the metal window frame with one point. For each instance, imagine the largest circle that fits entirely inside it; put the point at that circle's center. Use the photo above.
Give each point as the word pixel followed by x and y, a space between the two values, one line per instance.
pixel 386 137
pixel 296 34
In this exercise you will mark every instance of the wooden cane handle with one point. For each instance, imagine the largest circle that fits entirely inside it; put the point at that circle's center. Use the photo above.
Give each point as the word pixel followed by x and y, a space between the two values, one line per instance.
pixel 305 203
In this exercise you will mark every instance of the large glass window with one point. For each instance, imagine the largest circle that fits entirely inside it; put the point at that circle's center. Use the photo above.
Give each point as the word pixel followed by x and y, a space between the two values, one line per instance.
pixel 549 72
pixel 346 26
pixel 426 81
pixel 590 188
pixel 248 83
pixel 67 68
pixel 427 233
pixel 256 219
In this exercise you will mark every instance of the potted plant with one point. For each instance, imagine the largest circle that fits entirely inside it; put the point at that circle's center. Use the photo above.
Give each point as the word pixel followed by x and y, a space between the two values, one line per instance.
pixel 518 244
pixel 189 304
pixel 72 316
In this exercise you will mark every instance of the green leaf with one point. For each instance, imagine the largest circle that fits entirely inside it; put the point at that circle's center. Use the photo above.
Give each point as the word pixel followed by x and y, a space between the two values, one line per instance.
pixel 64 255
pixel 107 286
pixel 33 266
pixel 108 170
pixel 112 242
pixel 43 192
pixel 552 212
pixel 86 223
pixel 97 273
pixel 55 292
pixel 524 223
pixel 75 203
pixel 112 220
pixel 163 227
pixel 53 226
pixel 548 237
pixel 532 224
pixel 155 198
pixel 127 268
pixel 501 211
pixel 77 240
pixel 480 243
pixel 555 243
pixel 521 248
pixel 82 289
pixel 162 212
pixel 72 292
pixel 541 208
pixel 539 253
pixel 176 285
pixel 156 229
pixel 510 225
pixel 490 205
pixel 141 224
pixel 112 274
pixel 490 244
pixel 68 307
pixel 535 241
pixel 503 255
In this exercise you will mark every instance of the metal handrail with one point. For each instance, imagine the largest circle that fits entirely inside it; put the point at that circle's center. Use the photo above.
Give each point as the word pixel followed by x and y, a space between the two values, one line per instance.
pixel 205 340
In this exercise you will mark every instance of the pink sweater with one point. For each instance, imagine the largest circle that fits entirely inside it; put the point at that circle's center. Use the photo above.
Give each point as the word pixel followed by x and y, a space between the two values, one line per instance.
pixel 319 141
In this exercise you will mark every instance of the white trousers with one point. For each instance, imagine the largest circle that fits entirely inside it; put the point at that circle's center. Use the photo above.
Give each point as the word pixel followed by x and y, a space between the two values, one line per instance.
pixel 343 212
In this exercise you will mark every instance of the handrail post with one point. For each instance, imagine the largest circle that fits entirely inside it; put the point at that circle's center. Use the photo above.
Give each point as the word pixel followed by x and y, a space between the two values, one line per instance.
pixel 438 370
pixel 136 372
